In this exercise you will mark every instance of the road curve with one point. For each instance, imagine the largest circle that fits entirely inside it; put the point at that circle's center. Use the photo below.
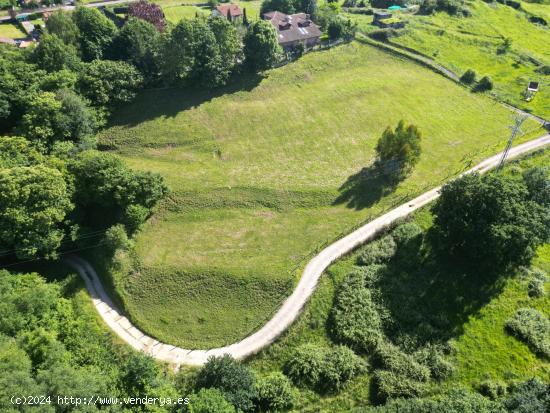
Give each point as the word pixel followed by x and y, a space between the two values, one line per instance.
pixel 292 306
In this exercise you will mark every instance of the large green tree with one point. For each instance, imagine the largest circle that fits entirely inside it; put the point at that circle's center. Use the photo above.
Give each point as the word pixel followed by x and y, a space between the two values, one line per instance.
pixel 261 48
pixel 490 221
pixel 138 42
pixel 52 54
pixel 178 53
pixel 62 25
pixel 108 192
pixel 96 32
pixel 398 149
pixel 34 202
pixel 108 83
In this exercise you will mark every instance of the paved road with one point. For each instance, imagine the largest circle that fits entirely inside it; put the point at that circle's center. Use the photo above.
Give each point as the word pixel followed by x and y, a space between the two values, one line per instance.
pixel 291 308
pixel 99 4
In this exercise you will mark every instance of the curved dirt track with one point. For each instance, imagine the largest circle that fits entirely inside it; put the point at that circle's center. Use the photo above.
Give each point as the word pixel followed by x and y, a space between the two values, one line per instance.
pixel 292 306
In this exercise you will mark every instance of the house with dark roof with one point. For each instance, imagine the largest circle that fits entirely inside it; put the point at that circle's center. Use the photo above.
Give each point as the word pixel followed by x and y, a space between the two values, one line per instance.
pixel 230 11
pixel 293 29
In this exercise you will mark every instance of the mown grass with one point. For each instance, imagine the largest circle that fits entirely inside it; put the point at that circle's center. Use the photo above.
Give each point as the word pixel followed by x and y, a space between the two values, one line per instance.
pixel 267 171
pixel 175 10
pixel 462 43
pixel 482 347
pixel 11 31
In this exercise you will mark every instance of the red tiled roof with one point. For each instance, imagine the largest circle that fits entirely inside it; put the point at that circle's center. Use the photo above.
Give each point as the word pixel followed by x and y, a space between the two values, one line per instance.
pixel 233 9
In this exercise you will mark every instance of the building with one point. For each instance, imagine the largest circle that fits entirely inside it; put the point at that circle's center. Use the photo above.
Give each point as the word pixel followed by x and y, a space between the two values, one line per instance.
pixel 230 11
pixel 385 20
pixel 293 29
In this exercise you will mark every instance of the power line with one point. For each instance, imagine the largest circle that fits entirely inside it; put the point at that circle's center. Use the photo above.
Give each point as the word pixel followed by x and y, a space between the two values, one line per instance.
pixel 516 129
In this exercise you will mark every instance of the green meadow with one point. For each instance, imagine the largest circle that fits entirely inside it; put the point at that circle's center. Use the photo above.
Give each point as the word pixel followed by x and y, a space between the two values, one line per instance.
pixel 267 171
pixel 475 42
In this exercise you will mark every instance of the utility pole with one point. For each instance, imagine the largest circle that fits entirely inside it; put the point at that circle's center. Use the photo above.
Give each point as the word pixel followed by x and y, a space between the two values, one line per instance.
pixel 516 129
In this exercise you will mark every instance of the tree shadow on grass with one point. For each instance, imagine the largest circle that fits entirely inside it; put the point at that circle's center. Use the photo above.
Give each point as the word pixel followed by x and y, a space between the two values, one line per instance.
pixel 366 187
pixel 168 102
pixel 430 295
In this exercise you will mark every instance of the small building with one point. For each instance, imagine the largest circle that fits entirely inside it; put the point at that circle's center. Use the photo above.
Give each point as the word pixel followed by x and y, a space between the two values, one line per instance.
pixel 532 89
pixel 386 20
pixel 230 11
pixel 294 29
pixel 28 27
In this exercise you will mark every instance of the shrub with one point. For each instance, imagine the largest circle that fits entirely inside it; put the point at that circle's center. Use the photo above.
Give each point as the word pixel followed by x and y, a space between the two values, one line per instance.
pixel 406 232
pixel 275 393
pixel 484 84
pixel 234 380
pixel 390 357
pixel 531 396
pixel 355 318
pixel 323 369
pixel 306 365
pixel 432 357
pixel 377 252
pixel 341 365
pixel 469 77
pixel 535 288
pixel 116 238
pixel 533 328
pixel 545 70
pixel 389 385
pixel 492 389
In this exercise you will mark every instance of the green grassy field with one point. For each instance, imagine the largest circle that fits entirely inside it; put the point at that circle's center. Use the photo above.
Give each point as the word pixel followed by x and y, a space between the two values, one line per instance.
pixel 461 43
pixel 11 31
pixel 175 10
pixel 483 349
pixel 267 171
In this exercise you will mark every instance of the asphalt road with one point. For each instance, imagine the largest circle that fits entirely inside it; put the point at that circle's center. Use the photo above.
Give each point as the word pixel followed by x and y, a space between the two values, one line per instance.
pixel 293 305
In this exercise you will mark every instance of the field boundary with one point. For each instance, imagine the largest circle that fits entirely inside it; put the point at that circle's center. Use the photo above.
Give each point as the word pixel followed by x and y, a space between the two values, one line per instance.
pixel 293 305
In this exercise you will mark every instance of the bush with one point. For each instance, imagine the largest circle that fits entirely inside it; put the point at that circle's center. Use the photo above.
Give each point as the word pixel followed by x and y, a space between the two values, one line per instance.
pixel 492 389
pixel 390 357
pixel 306 365
pixel 544 70
pixel 533 328
pixel 378 252
pixel 432 357
pixel 116 238
pixel 531 396
pixel 484 84
pixel 389 385
pixel 535 288
pixel 355 317
pixel 234 380
pixel 323 369
pixel 469 77
pixel 275 393
pixel 341 365
pixel 405 233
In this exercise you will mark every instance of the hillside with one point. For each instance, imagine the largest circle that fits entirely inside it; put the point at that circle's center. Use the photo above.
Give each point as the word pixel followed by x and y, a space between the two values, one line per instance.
pixel 266 172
